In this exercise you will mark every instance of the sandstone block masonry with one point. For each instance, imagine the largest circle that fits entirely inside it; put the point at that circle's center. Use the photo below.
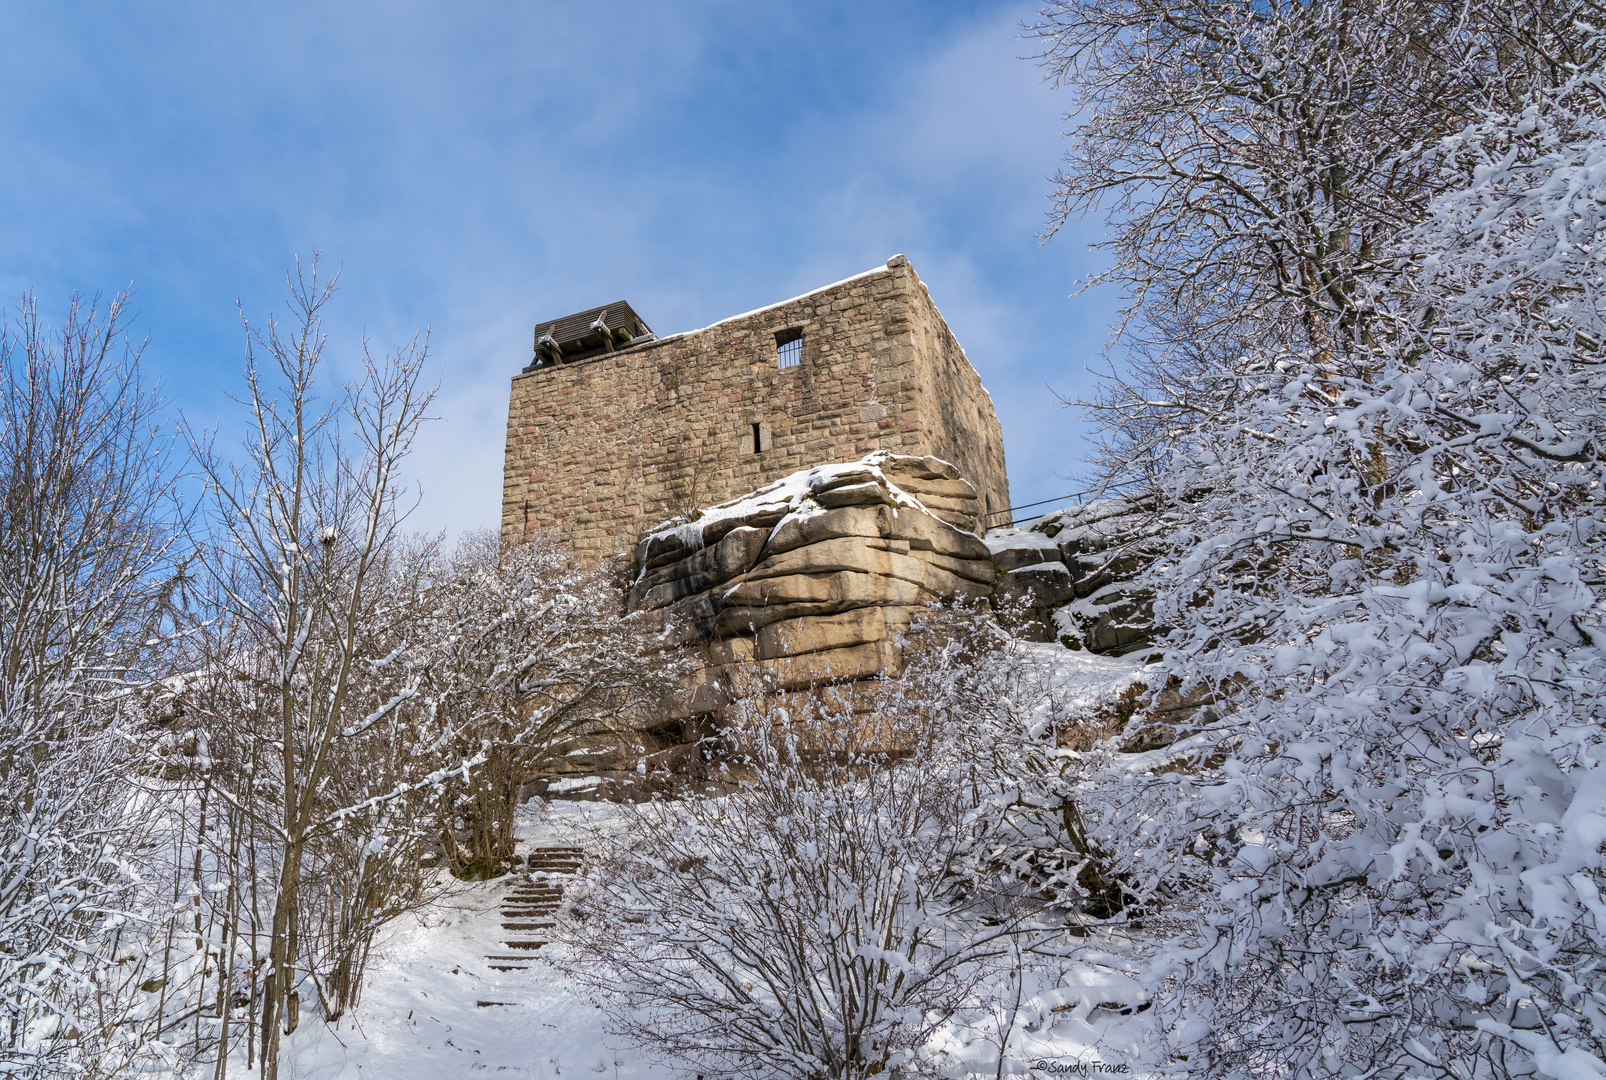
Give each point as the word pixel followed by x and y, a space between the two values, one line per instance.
pixel 599 449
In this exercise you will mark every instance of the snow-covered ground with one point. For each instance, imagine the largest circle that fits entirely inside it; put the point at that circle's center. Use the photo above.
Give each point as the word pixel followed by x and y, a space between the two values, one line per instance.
pixel 1084 680
pixel 421 1016
pixel 433 1006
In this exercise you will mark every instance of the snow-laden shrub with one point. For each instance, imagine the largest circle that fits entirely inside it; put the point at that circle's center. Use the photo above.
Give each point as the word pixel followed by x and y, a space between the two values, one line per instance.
pixel 817 920
pixel 86 564
pixel 524 650
pixel 873 850
pixel 1008 717
pixel 1396 570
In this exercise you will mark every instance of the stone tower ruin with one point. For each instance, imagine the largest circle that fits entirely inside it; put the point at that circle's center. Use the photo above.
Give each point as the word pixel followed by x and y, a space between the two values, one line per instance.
pixel 612 429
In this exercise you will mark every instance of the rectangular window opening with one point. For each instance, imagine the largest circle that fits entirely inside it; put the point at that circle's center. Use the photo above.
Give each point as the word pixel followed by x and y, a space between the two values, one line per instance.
pixel 758 439
pixel 789 348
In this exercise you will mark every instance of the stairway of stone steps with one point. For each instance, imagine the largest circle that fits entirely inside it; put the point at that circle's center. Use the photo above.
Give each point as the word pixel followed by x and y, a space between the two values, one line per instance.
pixel 530 907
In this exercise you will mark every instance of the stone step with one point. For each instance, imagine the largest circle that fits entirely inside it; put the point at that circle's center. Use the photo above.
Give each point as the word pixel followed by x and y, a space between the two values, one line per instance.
pixel 529 907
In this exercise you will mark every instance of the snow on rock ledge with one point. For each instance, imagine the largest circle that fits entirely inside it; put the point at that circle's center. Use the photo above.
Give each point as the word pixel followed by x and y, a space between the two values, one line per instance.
pixel 1073 572
pixel 811 578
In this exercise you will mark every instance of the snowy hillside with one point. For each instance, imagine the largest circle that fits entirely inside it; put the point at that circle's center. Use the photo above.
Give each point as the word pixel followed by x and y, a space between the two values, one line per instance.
pixel 435 1007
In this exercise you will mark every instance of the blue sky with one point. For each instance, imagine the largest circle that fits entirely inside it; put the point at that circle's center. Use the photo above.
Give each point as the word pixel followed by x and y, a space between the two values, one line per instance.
pixel 474 167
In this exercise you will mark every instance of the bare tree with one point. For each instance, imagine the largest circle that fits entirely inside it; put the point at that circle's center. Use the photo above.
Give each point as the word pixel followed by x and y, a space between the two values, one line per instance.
pixel 88 528
pixel 303 564
pixel 1261 165
pixel 88 511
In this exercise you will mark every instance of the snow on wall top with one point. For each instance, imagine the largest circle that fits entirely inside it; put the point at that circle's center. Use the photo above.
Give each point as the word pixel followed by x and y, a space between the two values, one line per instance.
pixel 794 495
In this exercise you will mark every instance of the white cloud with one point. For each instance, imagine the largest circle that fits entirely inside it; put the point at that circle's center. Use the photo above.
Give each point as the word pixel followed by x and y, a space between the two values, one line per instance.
pixel 476 169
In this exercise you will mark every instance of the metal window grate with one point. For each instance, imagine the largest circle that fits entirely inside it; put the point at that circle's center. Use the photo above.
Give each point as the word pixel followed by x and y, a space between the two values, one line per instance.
pixel 788 350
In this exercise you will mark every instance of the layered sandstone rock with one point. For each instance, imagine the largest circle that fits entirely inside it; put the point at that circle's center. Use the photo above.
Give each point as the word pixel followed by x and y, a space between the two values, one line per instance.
pixel 809 580
pixel 1071 572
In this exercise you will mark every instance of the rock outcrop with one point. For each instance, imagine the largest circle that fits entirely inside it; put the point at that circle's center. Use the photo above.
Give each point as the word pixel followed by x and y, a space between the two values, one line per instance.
pixel 810 579
pixel 1071 573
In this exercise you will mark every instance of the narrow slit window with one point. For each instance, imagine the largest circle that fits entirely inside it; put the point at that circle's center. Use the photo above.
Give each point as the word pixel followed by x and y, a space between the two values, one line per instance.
pixel 789 348
pixel 758 439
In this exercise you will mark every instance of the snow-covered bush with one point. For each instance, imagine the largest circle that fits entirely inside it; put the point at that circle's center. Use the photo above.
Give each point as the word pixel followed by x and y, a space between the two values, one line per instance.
pixel 1006 718
pixel 873 850
pixel 523 649
pixel 87 557
pixel 818 919
pixel 1395 569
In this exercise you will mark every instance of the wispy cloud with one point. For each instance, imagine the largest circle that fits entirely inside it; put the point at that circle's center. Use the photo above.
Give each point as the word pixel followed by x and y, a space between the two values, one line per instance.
pixel 478 167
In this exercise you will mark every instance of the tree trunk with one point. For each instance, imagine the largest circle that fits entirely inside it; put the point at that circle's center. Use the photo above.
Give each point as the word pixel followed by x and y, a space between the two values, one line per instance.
pixel 279 1009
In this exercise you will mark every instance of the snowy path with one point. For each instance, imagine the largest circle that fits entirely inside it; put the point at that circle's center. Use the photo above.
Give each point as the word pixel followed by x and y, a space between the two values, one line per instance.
pixel 530 906
pixel 464 991
pixel 450 994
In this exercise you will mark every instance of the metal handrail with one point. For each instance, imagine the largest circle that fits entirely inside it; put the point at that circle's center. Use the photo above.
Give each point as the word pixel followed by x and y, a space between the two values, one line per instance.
pixel 1045 502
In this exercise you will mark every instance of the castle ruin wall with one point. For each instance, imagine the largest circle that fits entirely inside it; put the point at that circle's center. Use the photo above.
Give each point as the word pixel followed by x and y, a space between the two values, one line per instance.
pixel 599 450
